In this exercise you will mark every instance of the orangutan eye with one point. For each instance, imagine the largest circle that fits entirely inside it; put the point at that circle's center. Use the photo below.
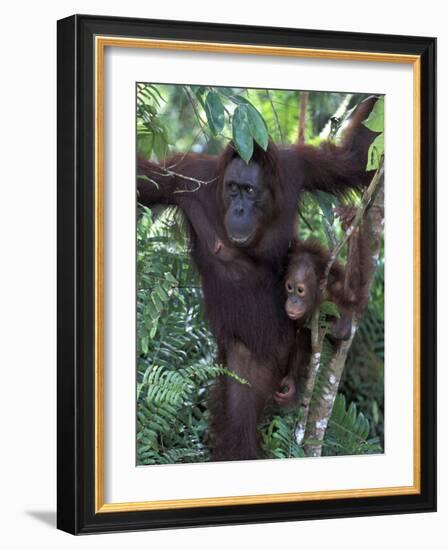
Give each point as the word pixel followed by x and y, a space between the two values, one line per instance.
pixel 233 188
pixel 249 190
pixel 289 287
pixel 301 290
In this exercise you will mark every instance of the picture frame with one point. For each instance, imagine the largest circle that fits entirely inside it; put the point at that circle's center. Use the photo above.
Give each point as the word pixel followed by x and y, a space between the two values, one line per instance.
pixel 82 42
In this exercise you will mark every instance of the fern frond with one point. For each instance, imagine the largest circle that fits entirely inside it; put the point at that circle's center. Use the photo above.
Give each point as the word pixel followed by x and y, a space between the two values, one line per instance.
pixel 348 431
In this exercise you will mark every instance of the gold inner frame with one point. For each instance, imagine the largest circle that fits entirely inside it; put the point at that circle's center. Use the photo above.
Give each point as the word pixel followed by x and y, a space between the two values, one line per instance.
pixel 101 42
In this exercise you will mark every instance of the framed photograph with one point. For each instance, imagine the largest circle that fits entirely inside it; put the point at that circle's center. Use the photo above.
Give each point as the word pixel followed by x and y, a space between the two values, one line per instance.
pixel 246 274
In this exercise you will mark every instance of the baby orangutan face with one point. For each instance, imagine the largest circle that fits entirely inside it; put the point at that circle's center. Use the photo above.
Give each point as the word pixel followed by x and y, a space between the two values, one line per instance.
pixel 302 290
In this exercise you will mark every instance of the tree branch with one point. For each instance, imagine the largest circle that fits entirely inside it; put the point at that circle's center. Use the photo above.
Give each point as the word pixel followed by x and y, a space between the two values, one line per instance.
pixel 365 201
pixel 322 406
pixel 319 408
pixel 306 391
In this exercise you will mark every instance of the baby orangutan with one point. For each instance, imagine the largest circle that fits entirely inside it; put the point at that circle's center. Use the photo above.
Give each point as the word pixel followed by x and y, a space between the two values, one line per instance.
pixel 346 287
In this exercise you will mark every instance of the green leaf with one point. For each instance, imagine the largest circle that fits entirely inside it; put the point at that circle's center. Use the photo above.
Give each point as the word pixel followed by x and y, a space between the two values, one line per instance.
pixel 145 144
pixel 148 109
pixel 160 146
pixel 242 136
pixel 257 127
pixel 214 110
pixel 144 344
pixel 228 92
pixel 240 100
pixel 198 90
pixel 339 407
pixel 375 412
pixel 375 121
pixel 376 151
pixel 154 88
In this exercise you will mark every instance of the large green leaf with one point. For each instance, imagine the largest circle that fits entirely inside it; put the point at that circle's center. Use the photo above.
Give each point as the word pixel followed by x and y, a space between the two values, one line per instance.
pixel 375 121
pixel 376 151
pixel 242 136
pixel 257 127
pixel 240 100
pixel 214 110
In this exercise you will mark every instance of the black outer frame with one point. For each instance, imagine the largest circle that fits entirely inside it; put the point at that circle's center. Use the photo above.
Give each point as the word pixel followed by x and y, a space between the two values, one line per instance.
pixel 75 380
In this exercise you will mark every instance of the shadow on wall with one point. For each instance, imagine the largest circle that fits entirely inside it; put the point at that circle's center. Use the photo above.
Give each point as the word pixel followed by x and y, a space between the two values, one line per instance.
pixel 44 516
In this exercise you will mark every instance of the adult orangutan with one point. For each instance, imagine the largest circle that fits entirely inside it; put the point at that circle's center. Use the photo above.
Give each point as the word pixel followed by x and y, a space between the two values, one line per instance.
pixel 242 219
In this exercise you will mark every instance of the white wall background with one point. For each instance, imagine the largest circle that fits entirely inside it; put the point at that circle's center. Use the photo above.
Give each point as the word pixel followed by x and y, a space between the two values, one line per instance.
pixel 28 271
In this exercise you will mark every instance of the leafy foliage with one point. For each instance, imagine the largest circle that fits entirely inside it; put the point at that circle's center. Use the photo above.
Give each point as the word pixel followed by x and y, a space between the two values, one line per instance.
pixel 348 431
pixel 278 437
pixel 152 134
pixel 375 122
